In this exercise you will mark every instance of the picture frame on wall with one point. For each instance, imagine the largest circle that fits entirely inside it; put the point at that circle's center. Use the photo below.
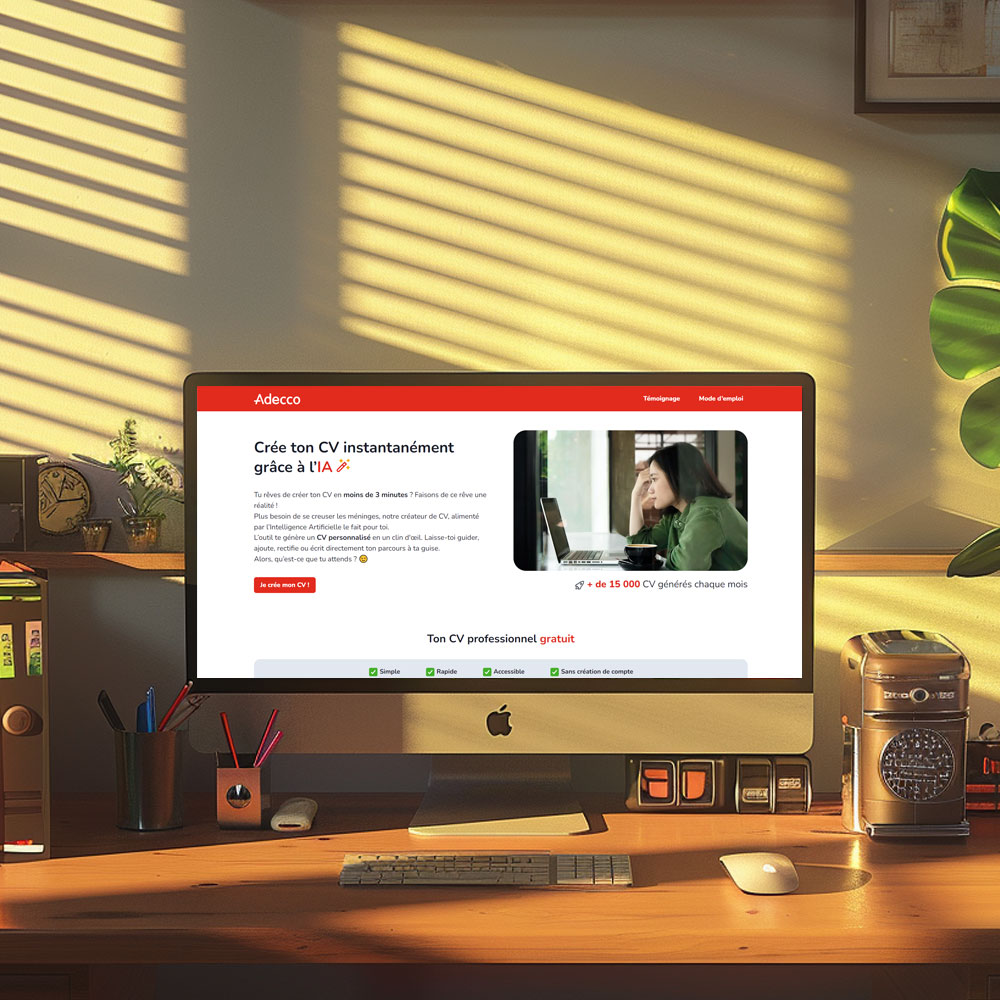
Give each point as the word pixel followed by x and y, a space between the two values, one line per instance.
pixel 927 56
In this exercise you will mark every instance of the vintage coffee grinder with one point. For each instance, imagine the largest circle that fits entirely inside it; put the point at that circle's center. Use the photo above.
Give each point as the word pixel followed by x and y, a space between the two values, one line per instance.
pixel 904 698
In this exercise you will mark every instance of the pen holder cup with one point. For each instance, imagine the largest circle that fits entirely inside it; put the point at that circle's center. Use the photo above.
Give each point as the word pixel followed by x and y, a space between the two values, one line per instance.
pixel 148 781
pixel 242 794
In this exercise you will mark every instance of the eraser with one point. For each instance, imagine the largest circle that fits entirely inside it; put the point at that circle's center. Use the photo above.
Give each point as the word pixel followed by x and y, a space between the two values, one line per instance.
pixel 295 814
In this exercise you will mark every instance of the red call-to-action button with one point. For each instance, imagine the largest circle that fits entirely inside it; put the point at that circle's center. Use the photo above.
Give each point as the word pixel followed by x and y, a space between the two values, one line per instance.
pixel 284 585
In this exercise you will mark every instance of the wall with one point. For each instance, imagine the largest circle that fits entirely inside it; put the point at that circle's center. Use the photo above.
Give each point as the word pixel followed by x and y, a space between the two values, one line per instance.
pixel 328 186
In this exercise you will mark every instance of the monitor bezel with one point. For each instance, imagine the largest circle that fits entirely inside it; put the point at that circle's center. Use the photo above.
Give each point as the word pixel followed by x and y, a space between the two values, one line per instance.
pixel 253 685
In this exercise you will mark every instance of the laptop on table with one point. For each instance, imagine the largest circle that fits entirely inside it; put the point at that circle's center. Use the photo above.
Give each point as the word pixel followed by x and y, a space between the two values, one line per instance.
pixel 567 556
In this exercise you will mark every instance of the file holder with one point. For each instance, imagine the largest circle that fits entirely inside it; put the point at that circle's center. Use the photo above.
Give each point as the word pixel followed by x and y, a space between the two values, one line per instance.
pixel 242 794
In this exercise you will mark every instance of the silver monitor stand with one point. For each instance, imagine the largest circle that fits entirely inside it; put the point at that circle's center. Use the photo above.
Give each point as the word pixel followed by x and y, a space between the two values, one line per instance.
pixel 496 794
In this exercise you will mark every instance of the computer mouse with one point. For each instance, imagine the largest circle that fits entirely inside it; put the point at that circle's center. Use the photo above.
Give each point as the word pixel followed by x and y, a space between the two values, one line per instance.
pixel 761 873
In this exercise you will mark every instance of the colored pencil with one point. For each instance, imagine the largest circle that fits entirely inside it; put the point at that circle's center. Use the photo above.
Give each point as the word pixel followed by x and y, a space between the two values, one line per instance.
pixel 170 711
pixel 274 742
pixel 263 739
pixel 229 738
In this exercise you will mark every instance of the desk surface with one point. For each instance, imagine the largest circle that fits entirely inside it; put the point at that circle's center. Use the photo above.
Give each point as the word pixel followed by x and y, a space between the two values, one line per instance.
pixel 204 895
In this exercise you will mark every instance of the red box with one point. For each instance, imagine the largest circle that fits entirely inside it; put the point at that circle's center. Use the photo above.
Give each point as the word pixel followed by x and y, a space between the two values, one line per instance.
pixel 982 776
pixel 284 585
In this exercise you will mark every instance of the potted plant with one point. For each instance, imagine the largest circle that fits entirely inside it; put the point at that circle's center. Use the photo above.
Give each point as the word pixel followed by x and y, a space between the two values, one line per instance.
pixel 151 480
pixel 965 332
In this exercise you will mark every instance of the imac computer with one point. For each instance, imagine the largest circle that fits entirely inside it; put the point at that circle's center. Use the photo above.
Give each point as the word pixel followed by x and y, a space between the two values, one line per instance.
pixel 367 552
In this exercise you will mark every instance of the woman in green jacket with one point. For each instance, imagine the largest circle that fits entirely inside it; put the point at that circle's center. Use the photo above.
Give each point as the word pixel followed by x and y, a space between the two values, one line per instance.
pixel 699 529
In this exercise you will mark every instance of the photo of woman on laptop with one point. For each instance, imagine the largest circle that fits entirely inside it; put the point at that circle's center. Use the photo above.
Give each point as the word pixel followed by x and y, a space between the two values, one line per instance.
pixel 699 528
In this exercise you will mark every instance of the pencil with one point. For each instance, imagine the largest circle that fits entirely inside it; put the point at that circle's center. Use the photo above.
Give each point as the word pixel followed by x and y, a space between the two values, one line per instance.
pixel 263 739
pixel 270 747
pixel 173 707
pixel 229 737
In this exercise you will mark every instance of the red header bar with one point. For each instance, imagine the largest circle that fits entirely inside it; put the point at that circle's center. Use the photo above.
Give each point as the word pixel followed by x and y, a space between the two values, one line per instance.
pixel 502 398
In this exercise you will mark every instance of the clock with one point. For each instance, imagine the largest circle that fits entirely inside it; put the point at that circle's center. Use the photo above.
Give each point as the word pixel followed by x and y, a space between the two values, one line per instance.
pixel 64 498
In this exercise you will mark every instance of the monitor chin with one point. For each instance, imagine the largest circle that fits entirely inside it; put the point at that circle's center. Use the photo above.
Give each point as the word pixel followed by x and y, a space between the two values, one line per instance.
pixel 517 794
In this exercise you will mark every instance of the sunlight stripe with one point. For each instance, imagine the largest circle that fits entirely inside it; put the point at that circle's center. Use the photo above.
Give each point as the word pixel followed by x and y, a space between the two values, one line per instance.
pixel 599 140
pixel 676 131
pixel 86 345
pixel 94 168
pixel 466 333
pixel 113 387
pixel 94 29
pixel 158 221
pixel 593 172
pixel 76 128
pixel 93 64
pixel 101 316
pixel 67 406
pixel 590 284
pixel 653 257
pixel 157 15
pixel 83 95
pixel 621 212
pixel 65 229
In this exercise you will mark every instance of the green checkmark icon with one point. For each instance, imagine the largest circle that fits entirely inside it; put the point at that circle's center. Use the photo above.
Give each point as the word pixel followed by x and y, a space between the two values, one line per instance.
pixel 553 671
pixel 487 671
pixel 430 671
pixel 373 671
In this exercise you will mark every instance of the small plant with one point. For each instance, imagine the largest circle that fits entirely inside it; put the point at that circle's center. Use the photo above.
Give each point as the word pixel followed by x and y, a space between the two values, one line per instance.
pixel 150 479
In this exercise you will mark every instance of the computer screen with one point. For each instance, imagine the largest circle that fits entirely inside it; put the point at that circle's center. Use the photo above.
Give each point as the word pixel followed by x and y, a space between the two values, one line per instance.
pixel 376 545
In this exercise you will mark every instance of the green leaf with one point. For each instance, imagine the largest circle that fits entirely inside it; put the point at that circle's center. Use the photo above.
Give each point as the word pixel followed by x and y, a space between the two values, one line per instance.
pixel 965 329
pixel 969 237
pixel 979 558
pixel 979 427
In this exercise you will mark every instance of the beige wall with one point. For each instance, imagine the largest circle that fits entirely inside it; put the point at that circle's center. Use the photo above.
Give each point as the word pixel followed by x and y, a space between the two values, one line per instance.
pixel 328 186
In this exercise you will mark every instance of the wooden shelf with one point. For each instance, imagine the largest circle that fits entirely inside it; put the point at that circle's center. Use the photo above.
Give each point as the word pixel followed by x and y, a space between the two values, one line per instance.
pixel 172 562
pixel 827 561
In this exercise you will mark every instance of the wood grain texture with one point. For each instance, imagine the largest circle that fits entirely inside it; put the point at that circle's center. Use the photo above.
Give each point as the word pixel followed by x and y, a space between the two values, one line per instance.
pixel 882 562
pixel 201 895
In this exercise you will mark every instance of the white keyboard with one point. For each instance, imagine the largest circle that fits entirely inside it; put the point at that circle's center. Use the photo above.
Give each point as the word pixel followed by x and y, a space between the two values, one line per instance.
pixel 583 870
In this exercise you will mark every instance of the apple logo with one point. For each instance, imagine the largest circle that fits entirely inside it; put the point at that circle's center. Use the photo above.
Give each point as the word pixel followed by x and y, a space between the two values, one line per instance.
pixel 498 722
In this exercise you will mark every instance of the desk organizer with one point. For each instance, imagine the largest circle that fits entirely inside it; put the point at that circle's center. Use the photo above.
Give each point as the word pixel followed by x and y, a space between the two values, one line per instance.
pixel 242 794
pixel 149 793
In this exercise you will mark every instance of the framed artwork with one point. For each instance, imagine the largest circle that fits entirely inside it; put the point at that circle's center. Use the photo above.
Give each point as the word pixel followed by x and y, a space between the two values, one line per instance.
pixel 927 56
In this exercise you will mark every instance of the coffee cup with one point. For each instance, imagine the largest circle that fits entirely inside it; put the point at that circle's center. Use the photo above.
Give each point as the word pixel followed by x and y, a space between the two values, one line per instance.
pixel 642 555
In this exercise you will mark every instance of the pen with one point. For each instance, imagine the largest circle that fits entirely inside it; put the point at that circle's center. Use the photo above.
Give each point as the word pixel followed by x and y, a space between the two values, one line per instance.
pixel 229 737
pixel 150 709
pixel 263 739
pixel 170 711
pixel 142 717
pixel 114 719
pixel 267 753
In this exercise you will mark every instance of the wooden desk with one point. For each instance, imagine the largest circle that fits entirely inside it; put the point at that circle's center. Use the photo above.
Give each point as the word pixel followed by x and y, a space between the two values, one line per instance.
pixel 201 895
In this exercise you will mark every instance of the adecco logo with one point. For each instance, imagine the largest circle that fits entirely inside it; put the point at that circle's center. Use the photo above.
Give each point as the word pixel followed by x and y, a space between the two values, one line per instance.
pixel 271 400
